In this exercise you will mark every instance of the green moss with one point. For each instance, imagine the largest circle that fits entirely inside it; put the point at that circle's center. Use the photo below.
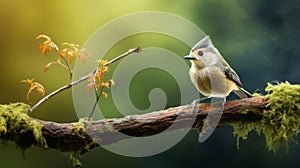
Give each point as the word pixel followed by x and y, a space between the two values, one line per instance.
pixel 282 120
pixel 241 131
pixel 79 127
pixel 15 125
pixel 74 160
pixel 280 123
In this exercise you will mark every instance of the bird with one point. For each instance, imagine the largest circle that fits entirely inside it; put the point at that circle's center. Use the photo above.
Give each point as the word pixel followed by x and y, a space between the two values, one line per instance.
pixel 211 74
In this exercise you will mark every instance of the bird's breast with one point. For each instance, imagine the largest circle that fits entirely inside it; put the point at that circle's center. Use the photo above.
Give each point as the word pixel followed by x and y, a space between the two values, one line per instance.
pixel 211 82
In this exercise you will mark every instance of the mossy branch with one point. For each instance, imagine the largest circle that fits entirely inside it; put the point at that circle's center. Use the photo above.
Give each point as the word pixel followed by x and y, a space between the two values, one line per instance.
pixel 73 136
pixel 276 115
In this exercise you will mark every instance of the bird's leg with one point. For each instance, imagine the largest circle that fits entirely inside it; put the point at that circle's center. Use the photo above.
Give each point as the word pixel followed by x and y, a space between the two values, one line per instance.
pixel 196 101
pixel 213 117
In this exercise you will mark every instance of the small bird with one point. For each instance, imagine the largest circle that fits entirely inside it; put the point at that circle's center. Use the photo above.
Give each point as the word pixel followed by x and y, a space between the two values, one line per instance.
pixel 211 74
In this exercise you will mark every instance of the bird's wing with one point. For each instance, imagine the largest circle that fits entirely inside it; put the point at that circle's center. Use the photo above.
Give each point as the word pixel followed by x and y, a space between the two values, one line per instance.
pixel 230 74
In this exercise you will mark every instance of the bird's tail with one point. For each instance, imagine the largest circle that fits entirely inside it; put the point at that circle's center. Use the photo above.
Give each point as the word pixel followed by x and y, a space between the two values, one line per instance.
pixel 242 93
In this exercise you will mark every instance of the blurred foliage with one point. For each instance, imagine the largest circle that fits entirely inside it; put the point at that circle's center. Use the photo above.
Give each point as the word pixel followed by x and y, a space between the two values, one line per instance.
pixel 260 39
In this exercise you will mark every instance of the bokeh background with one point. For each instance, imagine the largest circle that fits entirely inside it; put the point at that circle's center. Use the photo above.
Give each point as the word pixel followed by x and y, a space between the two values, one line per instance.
pixel 260 39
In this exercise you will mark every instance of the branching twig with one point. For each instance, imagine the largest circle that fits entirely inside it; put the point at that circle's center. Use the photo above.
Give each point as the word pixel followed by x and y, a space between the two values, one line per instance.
pixel 69 69
pixel 96 102
pixel 73 83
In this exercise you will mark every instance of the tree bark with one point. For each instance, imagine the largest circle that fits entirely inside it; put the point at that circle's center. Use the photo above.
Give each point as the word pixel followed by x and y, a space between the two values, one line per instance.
pixel 65 137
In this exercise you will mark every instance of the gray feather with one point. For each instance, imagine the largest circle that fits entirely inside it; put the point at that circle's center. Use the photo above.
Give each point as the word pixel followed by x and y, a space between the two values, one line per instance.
pixel 203 43
pixel 242 93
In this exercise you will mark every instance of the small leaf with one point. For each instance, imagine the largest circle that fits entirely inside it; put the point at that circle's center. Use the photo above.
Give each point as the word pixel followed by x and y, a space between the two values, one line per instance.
pixel 34 87
pixel 39 88
pixel 47 45
pixel 83 54
pixel 112 82
pixel 91 79
pixel 105 84
pixel 74 46
pixel 69 53
pixel 71 56
pixel 46 68
pixel 89 87
pixel 99 75
pixel 105 69
pixel 102 62
pixel 45 48
pixel 96 86
pixel 63 52
pixel 43 36
pixel 105 95
pixel 54 46
pixel 29 81
pixel 82 58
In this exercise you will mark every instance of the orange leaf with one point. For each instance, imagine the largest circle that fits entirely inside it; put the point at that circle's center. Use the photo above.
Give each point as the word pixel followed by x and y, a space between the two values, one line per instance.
pixel 105 84
pixel 29 81
pixel 40 91
pixel 43 36
pixel 46 68
pixel 63 53
pixel 89 87
pixel 71 56
pixel 99 75
pixel 45 48
pixel 105 69
pixel 83 54
pixel 82 58
pixel 96 85
pixel 34 87
pixel 105 95
pixel 91 79
pixel 47 45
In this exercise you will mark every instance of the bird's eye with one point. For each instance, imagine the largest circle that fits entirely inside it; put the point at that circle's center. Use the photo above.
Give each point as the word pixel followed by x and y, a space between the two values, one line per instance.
pixel 200 53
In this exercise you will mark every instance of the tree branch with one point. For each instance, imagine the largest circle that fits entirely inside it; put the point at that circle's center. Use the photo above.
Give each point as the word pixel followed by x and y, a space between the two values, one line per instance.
pixel 68 137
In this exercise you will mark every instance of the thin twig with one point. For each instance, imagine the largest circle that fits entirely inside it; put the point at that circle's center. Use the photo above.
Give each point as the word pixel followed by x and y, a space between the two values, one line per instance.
pixel 98 95
pixel 130 51
pixel 61 64
pixel 48 96
pixel 69 69
pixel 71 84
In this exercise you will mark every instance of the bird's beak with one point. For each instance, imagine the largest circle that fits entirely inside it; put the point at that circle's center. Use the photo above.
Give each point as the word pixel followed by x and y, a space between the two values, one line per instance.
pixel 189 57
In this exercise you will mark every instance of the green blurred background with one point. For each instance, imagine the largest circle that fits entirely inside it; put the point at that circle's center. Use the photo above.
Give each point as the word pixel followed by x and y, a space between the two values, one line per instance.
pixel 260 39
